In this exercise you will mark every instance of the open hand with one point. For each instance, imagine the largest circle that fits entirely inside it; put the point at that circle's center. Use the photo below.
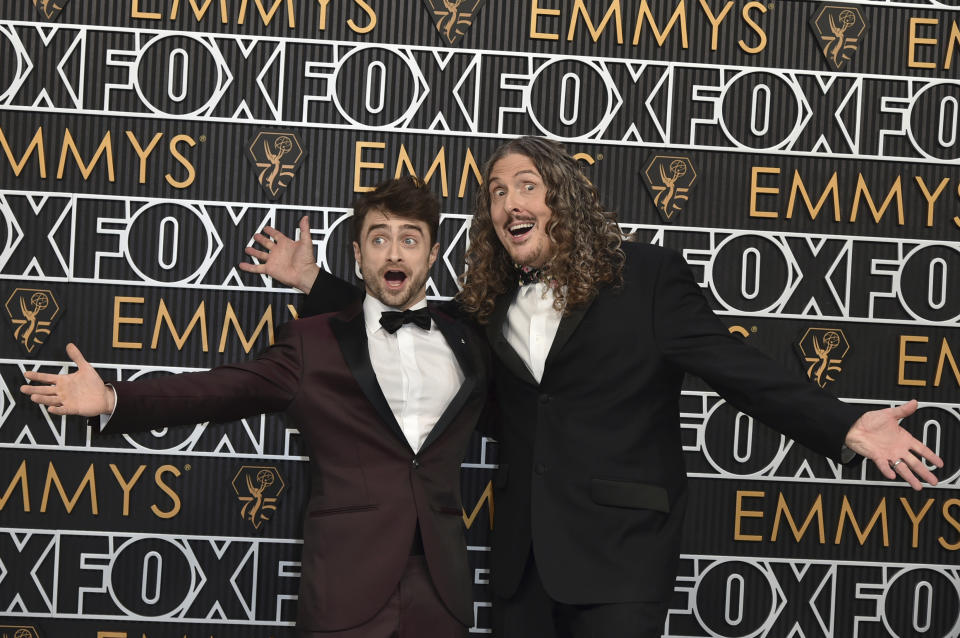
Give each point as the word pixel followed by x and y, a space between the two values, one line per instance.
pixel 292 263
pixel 878 436
pixel 82 392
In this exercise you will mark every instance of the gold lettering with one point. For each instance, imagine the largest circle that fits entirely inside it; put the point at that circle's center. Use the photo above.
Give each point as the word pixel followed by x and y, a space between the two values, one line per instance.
pixel 469 166
pixel 119 320
pixel 862 191
pixel 951 45
pixel 200 12
pixel 293 311
pixel 931 198
pixel 105 148
pixel 230 319
pixel 158 477
pixel 21 478
pixel 954 523
pixel 946 355
pixel 126 486
pixel 742 513
pixel 645 15
pixel 323 14
pixel 816 510
pixel 715 21
pixel 267 17
pixel 135 12
pixel 486 497
pixel 762 190
pixel 846 512
pixel 831 189
pixel 54 479
pixel 904 358
pixel 163 316
pixel 914 42
pixel 613 11
pixel 35 143
pixel 915 518
pixel 535 13
pixel 440 161
pixel 177 155
pixel 360 164
pixel 756 27
pixel 370 14
pixel 141 153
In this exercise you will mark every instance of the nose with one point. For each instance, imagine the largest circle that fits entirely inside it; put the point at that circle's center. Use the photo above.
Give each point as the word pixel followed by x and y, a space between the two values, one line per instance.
pixel 511 202
pixel 393 253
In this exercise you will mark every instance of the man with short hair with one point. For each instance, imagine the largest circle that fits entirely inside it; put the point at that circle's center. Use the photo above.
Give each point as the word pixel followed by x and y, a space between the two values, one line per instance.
pixel 592 338
pixel 385 394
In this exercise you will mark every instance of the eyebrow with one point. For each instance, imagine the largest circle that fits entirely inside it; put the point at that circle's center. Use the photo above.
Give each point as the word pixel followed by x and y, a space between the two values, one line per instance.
pixel 529 171
pixel 374 227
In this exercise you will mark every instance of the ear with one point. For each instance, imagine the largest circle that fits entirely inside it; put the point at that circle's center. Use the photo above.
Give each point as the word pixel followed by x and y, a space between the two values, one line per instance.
pixel 433 254
pixel 357 256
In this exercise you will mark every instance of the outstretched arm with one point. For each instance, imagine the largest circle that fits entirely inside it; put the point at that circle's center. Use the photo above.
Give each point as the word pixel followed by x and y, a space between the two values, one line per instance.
pixel 877 435
pixel 294 263
pixel 82 392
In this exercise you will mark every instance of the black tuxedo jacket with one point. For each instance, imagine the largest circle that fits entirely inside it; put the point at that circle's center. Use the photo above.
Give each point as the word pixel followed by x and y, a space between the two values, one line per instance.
pixel 591 475
pixel 368 488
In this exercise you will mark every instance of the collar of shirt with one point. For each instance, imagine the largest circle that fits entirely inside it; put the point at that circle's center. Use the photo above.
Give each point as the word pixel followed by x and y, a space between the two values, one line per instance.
pixel 373 308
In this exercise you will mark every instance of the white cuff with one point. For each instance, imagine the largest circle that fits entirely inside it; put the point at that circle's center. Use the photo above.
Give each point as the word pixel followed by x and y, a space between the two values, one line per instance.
pixel 105 418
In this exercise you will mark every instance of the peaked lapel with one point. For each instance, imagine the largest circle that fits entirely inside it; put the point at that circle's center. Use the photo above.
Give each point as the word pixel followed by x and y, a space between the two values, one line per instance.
pixel 499 344
pixel 568 325
pixel 351 335
pixel 456 337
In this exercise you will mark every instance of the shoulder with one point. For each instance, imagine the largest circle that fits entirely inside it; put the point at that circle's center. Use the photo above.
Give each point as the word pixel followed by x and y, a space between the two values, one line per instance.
pixel 648 258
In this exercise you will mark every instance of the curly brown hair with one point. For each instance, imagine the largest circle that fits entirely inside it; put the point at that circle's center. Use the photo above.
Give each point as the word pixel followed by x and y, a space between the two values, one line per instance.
pixel 586 238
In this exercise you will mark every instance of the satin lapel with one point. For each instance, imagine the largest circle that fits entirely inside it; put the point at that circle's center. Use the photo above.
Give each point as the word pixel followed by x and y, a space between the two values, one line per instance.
pixel 499 344
pixel 568 325
pixel 351 335
pixel 456 337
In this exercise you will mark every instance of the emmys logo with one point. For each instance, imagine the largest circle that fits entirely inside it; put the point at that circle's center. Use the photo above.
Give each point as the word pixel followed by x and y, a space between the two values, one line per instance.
pixel 276 157
pixel 823 350
pixel 50 9
pixel 453 18
pixel 669 180
pixel 14 631
pixel 258 488
pixel 839 29
pixel 32 314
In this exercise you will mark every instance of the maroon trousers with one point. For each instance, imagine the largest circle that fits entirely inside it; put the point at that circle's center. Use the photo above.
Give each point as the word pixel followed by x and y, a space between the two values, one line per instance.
pixel 413 611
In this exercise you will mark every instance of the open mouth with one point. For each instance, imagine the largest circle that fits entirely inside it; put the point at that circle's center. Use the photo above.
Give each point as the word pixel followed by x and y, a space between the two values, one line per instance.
pixel 520 229
pixel 395 278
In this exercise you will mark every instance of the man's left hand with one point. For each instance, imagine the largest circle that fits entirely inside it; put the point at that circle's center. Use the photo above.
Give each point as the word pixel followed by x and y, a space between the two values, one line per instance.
pixel 878 436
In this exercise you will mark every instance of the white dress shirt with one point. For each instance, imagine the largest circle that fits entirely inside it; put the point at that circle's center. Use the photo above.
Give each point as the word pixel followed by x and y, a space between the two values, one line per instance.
pixel 416 370
pixel 531 326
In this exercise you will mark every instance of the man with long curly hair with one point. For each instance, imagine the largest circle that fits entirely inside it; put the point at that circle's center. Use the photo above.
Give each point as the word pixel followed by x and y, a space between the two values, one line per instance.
pixel 592 338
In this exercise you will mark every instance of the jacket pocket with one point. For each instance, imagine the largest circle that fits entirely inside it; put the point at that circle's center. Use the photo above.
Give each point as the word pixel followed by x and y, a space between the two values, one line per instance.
pixel 447 509
pixel 629 494
pixel 327 511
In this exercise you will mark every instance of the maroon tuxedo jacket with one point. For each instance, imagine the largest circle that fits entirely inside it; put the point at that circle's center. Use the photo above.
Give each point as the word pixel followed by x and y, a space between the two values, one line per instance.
pixel 368 488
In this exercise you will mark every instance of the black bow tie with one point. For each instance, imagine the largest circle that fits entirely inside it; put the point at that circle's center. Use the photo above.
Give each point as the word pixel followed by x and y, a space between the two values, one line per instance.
pixel 391 320
pixel 529 275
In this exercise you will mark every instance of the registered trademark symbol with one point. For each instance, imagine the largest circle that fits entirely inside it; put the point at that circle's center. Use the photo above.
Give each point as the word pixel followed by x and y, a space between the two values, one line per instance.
pixel 599 156
pixel 770 5
pixel 203 138
pixel 187 467
pixel 753 329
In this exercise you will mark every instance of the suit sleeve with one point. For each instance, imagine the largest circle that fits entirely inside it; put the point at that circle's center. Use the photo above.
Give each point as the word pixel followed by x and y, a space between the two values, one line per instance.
pixel 328 294
pixel 694 339
pixel 226 393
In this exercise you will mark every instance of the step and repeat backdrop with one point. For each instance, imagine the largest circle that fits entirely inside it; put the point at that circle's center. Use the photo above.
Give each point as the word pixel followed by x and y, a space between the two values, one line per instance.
pixel 803 156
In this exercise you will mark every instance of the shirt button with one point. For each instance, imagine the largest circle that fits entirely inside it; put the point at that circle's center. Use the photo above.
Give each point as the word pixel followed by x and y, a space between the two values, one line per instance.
pixel 539 468
pixel 544 399
pixel 415 464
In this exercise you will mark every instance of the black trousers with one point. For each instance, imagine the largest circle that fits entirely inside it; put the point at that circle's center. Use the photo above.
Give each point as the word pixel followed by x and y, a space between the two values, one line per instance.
pixel 531 612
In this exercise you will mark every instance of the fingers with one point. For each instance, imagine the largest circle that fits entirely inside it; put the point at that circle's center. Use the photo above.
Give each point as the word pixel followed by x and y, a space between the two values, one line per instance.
pixel 258 254
pixel 46 399
pixel 38 389
pixel 254 268
pixel 76 356
pixel 40 377
pixel 905 410
pixel 304 228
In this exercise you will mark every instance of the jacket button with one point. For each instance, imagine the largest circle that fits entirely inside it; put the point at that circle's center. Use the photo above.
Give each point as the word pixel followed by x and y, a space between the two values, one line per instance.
pixel 539 468
pixel 544 399
pixel 415 464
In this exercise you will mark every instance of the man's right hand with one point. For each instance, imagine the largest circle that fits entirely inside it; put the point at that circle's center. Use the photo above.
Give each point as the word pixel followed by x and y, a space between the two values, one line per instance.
pixel 292 263
pixel 82 392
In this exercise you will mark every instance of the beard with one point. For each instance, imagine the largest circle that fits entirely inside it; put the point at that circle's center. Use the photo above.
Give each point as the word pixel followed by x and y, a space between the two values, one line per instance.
pixel 414 286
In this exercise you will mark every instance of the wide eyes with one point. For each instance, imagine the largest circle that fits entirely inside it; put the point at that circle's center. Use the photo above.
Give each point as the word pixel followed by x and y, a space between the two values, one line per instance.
pixel 406 241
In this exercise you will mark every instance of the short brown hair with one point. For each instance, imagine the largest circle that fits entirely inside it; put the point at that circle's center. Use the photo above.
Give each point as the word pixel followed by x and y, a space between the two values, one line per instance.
pixel 407 197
